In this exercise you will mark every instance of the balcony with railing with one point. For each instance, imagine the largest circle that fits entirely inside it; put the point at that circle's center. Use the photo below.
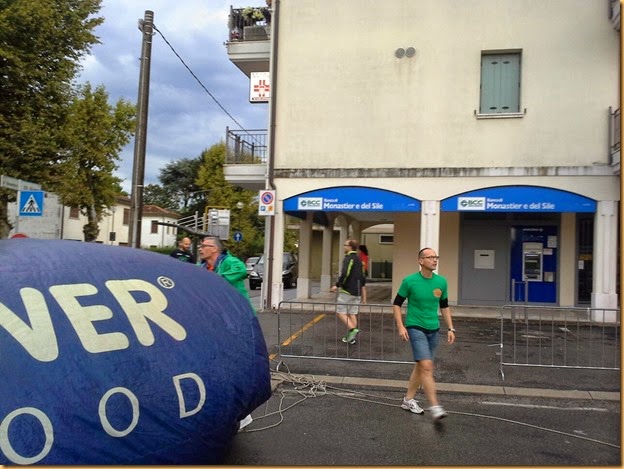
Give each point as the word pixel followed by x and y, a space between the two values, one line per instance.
pixel 246 158
pixel 246 146
pixel 614 138
pixel 248 43
pixel 249 24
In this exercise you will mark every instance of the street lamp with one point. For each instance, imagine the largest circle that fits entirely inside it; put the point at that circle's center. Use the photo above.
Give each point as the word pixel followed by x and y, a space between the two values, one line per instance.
pixel 239 206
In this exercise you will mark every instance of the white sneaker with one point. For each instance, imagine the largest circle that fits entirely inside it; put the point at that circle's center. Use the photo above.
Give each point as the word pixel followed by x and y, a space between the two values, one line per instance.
pixel 243 423
pixel 412 406
pixel 437 412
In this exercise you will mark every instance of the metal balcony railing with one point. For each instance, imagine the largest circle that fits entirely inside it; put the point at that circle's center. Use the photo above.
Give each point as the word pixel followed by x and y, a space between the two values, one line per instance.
pixel 246 146
pixel 249 24
pixel 614 131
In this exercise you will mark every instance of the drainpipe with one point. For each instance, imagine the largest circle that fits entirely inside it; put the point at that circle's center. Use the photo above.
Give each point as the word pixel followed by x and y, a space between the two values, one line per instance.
pixel 268 278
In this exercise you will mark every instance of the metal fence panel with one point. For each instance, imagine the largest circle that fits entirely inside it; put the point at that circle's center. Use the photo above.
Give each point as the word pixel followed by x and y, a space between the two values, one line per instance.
pixel 313 330
pixel 558 337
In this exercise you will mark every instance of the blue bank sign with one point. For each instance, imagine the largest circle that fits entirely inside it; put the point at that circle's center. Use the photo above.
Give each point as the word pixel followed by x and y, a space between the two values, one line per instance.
pixel 518 199
pixel 352 199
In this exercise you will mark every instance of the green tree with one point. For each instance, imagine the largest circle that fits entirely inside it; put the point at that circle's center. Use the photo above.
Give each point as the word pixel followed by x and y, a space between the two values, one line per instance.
pixel 155 194
pixel 223 194
pixel 178 179
pixel 96 132
pixel 41 44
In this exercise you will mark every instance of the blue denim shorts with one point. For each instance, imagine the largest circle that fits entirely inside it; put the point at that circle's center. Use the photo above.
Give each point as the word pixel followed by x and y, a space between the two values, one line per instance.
pixel 424 344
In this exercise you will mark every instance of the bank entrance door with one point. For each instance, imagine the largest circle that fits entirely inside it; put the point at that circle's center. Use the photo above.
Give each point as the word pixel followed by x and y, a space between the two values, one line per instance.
pixel 585 236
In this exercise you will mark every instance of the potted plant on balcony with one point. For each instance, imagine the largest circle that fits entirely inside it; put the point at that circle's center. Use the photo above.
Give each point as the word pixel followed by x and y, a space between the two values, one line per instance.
pixel 252 16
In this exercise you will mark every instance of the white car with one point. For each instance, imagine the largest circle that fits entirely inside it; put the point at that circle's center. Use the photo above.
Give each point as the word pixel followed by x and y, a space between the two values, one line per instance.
pixel 250 263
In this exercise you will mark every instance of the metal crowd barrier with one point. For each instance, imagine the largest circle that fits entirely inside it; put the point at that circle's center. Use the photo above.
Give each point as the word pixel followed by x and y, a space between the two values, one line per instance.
pixel 313 330
pixel 559 337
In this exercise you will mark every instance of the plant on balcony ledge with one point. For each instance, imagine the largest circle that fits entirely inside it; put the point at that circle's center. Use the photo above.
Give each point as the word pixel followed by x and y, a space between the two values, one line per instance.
pixel 240 18
pixel 253 15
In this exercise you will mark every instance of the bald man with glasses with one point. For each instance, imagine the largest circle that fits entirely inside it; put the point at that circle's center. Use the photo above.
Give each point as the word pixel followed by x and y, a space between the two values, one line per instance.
pixel 425 292
pixel 183 251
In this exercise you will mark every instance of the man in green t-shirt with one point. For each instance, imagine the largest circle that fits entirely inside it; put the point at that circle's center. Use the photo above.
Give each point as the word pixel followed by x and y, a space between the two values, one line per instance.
pixel 425 292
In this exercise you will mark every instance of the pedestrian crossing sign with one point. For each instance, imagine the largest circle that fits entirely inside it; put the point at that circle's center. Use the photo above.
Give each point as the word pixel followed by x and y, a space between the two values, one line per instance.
pixel 30 203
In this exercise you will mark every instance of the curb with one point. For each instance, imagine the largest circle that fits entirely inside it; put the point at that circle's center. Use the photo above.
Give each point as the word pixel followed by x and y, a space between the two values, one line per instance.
pixel 471 388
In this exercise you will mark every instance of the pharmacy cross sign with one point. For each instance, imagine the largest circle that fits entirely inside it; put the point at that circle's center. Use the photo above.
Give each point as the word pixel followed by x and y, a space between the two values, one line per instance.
pixel 259 87
pixel 262 89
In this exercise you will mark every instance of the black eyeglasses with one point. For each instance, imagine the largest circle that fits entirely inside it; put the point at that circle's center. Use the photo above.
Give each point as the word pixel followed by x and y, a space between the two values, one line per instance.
pixel 431 258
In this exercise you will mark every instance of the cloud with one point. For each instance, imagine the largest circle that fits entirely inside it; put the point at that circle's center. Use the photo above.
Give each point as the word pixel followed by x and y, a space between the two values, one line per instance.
pixel 183 119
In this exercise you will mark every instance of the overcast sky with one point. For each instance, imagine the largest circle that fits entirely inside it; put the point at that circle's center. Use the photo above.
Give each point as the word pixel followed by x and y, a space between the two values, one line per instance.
pixel 183 119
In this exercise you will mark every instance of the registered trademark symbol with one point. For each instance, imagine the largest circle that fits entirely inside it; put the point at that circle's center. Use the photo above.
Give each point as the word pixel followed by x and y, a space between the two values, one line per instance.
pixel 165 282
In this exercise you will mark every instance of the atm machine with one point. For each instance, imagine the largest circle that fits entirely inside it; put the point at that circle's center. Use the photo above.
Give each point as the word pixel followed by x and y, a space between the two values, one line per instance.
pixel 533 267
pixel 532 262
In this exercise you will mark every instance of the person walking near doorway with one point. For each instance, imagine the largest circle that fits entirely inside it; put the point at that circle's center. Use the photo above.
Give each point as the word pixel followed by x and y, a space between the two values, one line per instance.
pixel 425 292
pixel 363 255
pixel 351 288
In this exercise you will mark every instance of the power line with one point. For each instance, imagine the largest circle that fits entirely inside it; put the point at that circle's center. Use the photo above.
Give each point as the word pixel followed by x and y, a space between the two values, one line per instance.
pixel 200 83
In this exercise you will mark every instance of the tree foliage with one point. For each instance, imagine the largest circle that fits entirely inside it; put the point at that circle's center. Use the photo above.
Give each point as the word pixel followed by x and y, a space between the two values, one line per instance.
pixel 95 134
pixel 178 180
pixel 41 44
pixel 154 194
pixel 222 194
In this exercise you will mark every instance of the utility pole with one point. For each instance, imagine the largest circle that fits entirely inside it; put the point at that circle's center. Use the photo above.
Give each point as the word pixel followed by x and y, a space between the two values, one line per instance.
pixel 146 26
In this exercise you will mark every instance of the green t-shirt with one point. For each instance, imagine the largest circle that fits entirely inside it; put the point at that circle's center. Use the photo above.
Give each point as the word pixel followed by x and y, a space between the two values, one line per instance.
pixel 423 299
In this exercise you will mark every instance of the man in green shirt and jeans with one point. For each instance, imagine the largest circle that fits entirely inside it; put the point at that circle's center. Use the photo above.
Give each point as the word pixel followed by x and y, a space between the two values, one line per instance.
pixel 425 292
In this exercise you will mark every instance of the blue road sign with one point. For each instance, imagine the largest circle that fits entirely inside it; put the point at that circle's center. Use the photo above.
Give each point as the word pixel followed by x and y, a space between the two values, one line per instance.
pixel 238 236
pixel 30 203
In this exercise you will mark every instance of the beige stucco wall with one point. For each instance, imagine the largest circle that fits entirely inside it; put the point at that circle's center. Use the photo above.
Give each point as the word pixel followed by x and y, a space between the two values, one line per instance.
pixel 345 102
pixel 337 62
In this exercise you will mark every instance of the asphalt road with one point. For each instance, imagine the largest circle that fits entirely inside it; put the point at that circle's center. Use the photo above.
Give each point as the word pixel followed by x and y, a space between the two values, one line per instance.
pixel 320 425
pixel 310 422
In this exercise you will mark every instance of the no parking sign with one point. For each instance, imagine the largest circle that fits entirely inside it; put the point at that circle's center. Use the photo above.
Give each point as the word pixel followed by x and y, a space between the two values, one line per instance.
pixel 266 203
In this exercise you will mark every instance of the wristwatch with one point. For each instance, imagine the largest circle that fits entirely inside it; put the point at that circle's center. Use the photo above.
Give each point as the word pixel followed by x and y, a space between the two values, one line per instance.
pixel 451 330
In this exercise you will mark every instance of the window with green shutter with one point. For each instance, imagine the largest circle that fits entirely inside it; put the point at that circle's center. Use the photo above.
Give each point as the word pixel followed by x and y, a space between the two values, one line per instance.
pixel 500 83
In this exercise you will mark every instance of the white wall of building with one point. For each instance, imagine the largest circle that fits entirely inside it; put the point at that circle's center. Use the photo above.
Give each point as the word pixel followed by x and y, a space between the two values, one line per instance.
pixel 419 111
pixel 357 108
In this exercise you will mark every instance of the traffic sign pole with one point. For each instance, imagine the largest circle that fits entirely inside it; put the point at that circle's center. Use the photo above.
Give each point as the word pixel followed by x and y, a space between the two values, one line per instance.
pixel 266 203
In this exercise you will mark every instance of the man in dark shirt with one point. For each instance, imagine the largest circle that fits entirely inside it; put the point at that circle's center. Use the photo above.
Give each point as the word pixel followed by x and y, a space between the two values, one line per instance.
pixel 351 288
pixel 183 252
